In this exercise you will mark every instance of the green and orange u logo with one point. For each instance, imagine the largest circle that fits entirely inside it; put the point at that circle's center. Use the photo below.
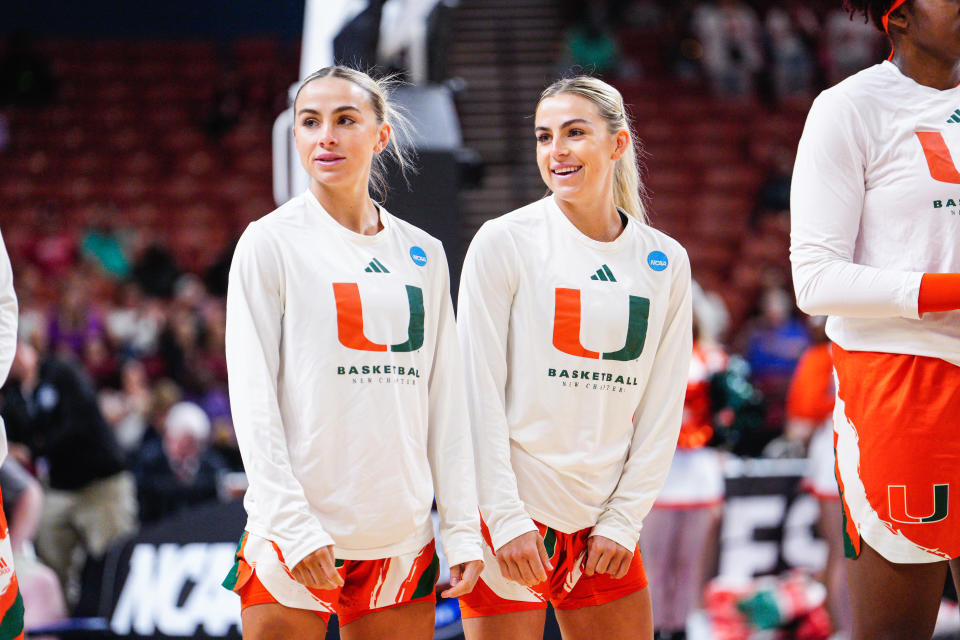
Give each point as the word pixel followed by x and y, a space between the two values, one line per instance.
pixel 897 501
pixel 566 328
pixel 350 320
pixel 939 161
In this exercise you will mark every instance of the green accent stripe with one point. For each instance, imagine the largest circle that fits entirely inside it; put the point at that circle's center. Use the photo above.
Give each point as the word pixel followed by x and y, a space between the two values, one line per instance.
pixel 550 541
pixel 601 275
pixel 230 582
pixel 609 273
pixel 849 550
pixel 368 270
pixel 380 264
pixel 594 277
pixel 428 581
pixel 12 624
pixel 954 118
pixel 373 265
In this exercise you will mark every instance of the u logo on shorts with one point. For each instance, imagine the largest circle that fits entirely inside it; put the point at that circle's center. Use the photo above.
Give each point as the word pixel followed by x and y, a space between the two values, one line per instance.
pixel 350 320
pixel 897 501
pixel 566 328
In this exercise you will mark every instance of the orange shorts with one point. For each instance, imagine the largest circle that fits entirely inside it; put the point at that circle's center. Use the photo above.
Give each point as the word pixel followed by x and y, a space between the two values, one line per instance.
pixel 898 454
pixel 567 587
pixel 369 585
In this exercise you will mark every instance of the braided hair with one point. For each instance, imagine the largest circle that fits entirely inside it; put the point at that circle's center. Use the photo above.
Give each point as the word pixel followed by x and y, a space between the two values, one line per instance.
pixel 872 10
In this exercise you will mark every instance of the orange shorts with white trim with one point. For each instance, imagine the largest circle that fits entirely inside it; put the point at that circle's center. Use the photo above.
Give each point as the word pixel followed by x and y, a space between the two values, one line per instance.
pixel 898 454
pixel 260 576
pixel 566 587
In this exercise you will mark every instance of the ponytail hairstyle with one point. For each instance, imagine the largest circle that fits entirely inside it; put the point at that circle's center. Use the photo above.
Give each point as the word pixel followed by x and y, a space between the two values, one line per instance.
pixel 386 111
pixel 629 192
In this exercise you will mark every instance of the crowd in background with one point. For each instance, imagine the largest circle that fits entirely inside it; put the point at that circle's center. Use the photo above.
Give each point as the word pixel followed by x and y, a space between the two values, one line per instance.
pixel 785 51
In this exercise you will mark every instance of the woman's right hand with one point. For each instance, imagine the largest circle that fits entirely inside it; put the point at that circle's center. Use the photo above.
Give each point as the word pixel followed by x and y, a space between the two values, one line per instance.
pixel 318 570
pixel 524 559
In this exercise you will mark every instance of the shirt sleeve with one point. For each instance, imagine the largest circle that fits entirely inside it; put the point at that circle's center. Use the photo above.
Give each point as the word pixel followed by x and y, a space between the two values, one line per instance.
pixel 826 201
pixel 487 286
pixel 8 329
pixel 656 421
pixel 255 306
pixel 449 447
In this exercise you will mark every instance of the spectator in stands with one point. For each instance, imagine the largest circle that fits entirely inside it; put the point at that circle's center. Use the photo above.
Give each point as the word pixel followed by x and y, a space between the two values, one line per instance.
pixel 126 410
pixel 729 32
pixel 792 31
pixel 181 469
pixel 592 47
pixel 54 247
pixel 91 499
pixel 773 343
pixel 75 321
pixel 155 270
pixel 102 244
pixel 849 45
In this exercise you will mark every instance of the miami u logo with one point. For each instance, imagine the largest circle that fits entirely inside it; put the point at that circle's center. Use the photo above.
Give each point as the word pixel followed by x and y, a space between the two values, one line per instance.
pixel 350 320
pixel 897 499
pixel 566 328
pixel 939 160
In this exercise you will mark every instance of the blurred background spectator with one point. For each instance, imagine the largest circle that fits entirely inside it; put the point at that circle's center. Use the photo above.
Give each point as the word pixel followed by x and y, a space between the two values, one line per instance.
pixel 50 406
pixel 179 469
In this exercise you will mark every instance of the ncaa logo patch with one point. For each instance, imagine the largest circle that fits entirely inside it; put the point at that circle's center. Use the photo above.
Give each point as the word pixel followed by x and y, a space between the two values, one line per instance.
pixel 419 256
pixel 657 260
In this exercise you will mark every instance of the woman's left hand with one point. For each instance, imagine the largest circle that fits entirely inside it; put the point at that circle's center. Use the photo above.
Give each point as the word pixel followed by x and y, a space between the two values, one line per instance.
pixel 463 577
pixel 606 556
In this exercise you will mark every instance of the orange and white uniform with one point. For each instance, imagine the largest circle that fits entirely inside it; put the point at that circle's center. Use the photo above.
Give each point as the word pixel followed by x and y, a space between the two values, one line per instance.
pixel 875 206
pixel 11 603
pixel 347 396
pixel 577 356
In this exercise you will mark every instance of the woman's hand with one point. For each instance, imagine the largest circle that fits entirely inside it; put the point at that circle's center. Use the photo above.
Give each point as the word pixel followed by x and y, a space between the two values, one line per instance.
pixel 463 578
pixel 606 556
pixel 318 571
pixel 524 559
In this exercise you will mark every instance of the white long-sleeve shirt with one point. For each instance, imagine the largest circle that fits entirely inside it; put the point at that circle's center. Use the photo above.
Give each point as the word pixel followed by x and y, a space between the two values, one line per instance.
pixel 8 329
pixel 347 389
pixel 876 204
pixel 577 354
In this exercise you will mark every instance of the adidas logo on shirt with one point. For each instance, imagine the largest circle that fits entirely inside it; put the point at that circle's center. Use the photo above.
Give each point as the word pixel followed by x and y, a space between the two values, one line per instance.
pixel 954 117
pixel 376 266
pixel 604 274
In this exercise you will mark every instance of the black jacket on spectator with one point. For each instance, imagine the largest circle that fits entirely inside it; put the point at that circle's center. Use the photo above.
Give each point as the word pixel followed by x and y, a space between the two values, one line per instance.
pixel 61 421
pixel 159 490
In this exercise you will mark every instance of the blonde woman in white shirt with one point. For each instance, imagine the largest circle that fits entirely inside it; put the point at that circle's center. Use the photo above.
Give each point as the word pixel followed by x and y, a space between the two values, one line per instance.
pixel 575 322
pixel 347 393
